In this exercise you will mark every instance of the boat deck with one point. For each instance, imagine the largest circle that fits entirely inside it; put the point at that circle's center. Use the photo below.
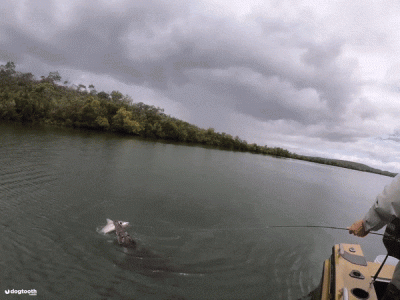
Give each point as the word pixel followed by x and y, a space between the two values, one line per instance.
pixel 347 275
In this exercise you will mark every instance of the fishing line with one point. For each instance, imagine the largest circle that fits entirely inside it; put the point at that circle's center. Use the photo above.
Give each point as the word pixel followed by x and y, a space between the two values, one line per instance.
pixel 260 228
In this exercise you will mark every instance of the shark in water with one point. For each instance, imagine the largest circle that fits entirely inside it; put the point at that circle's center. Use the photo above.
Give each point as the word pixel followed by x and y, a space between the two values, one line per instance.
pixel 110 227
pixel 139 258
pixel 123 238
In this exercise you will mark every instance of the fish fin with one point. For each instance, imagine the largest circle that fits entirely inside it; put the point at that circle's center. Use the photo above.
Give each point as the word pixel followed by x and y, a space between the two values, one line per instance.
pixel 109 221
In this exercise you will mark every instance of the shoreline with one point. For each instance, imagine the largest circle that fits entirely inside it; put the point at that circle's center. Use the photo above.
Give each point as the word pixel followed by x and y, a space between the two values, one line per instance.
pixel 46 102
pixel 318 160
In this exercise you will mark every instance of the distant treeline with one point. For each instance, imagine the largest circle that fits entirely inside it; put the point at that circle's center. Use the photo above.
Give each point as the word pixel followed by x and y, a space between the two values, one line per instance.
pixel 23 98
pixel 343 164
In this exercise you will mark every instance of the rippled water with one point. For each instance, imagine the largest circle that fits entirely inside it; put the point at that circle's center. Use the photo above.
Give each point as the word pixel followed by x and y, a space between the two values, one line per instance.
pixel 199 216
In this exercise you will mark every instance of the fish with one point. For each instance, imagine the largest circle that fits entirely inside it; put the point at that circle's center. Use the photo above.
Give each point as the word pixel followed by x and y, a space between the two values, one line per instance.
pixel 110 227
pixel 123 238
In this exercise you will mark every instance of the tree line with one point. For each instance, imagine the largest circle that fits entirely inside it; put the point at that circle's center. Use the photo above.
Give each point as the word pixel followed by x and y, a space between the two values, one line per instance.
pixel 23 98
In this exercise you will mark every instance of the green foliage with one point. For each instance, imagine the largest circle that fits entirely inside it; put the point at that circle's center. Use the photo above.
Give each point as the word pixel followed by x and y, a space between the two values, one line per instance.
pixel 24 99
pixel 54 76
pixel 102 122
pixel 89 113
pixel 8 69
pixel 123 122
pixel 116 96
pixel 81 87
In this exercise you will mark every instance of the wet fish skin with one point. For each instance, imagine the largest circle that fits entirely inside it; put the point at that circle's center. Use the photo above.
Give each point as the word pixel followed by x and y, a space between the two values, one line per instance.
pixel 124 239
pixel 110 227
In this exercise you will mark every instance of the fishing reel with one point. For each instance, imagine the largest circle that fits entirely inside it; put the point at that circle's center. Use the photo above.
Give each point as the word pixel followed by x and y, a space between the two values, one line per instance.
pixel 391 238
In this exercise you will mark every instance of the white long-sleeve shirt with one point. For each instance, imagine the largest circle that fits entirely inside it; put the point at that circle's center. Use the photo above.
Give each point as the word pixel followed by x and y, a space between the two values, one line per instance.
pixel 385 208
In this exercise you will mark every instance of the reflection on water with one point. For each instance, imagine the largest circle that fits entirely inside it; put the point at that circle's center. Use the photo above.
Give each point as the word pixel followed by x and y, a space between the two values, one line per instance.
pixel 199 216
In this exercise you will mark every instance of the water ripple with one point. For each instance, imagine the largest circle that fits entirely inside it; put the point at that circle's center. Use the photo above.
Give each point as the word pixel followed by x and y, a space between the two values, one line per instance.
pixel 200 233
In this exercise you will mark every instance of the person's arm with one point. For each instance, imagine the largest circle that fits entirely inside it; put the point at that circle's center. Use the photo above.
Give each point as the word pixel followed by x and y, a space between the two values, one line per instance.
pixel 382 212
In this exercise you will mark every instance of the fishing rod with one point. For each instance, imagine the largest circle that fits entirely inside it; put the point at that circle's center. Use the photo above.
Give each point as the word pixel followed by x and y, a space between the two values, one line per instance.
pixel 316 226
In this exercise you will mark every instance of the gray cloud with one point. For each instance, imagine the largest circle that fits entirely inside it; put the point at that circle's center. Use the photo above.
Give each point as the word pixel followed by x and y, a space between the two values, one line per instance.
pixel 293 68
pixel 106 42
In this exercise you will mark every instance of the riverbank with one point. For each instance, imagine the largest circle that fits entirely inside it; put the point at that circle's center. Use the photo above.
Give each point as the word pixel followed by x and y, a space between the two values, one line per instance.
pixel 23 99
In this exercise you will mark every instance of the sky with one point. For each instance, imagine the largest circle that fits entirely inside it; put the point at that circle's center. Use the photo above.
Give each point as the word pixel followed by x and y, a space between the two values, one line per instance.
pixel 319 78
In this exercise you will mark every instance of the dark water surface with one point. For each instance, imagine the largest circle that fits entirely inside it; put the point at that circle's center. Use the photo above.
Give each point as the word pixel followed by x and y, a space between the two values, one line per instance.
pixel 199 215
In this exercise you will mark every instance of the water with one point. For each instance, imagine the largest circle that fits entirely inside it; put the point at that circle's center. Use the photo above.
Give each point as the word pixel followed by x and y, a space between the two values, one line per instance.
pixel 199 214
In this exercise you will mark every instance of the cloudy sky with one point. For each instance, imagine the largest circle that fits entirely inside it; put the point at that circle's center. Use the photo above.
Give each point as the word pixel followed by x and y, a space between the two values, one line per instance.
pixel 317 78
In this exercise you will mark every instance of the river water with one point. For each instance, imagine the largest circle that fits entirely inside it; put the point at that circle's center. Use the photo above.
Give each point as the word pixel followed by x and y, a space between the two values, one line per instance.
pixel 199 215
